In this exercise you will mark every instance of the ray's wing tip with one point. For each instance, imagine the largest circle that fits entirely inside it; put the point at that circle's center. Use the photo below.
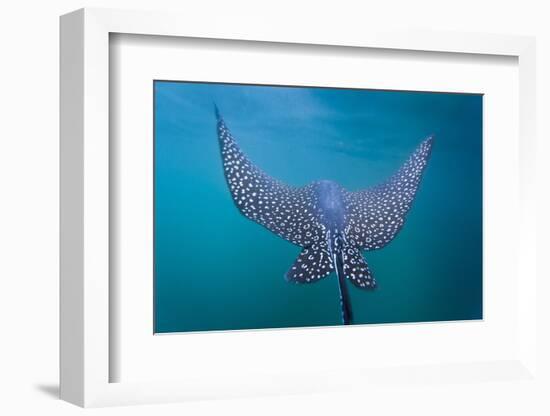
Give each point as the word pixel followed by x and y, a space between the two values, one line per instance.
pixel 217 112
pixel 428 143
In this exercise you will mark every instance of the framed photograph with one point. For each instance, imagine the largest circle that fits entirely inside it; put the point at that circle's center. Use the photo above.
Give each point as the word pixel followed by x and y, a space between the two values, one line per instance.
pixel 236 208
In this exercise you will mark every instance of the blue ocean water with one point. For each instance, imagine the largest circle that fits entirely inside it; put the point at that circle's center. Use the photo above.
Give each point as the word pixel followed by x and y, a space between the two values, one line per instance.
pixel 217 270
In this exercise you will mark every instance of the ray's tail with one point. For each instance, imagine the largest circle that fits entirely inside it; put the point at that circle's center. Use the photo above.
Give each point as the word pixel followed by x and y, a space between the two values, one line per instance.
pixel 345 302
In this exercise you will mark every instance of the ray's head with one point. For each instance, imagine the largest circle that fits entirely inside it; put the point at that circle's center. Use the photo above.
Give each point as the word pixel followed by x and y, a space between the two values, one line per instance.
pixel 331 207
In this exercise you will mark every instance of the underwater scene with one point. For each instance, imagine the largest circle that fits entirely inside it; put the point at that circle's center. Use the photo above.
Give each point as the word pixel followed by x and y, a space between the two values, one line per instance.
pixel 286 206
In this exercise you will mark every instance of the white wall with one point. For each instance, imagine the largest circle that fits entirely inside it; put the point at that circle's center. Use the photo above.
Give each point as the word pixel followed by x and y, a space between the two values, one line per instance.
pixel 29 205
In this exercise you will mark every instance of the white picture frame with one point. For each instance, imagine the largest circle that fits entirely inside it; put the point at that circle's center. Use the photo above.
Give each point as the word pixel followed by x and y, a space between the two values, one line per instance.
pixel 85 201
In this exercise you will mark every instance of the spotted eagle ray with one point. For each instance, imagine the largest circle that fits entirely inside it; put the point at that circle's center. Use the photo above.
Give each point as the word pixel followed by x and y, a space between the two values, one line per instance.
pixel 331 225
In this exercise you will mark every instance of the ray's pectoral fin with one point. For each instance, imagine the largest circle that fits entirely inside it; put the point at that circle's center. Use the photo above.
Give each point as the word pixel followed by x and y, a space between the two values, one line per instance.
pixel 285 210
pixel 356 269
pixel 377 214
pixel 312 265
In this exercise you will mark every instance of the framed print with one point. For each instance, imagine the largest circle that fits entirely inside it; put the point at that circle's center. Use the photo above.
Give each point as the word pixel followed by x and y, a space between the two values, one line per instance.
pixel 289 197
